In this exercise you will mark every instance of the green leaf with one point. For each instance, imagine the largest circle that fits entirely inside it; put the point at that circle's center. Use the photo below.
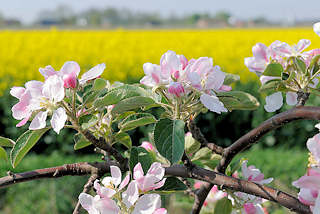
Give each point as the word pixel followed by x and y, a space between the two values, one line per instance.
pixel 80 142
pixel 169 139
pixel 142 156
pixel 223 206
pixel 6 142
pixel 124 139
pixel 300 64
pixel 273 69
pixel 117 94
pixel 88 121
pixel 231 78
pixel 238 100
pixel 23 145
pixel 314 64
pixel 171 185
pixel 135 120
pixel 203 154
pixel 99 84
pixel 191 145
pixel 132 103
pixel 272 86
pixel 3 154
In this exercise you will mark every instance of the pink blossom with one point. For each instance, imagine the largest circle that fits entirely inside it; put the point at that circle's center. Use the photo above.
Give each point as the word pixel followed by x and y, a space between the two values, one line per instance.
pixel 285 50
pixel 176 89
pixel 316 28
pixel 313 144
pixel 97 205
pixel 152 180
pixel 309 185
pixel 251 173
pixel 171 68
pixel 40 96
pixel 309 55
pixel 148 146
pixel 69 72
pixel 250 208
pixel 275 101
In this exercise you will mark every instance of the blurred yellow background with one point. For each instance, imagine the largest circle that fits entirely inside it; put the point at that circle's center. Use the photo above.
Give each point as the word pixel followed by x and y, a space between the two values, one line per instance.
pixel 23 52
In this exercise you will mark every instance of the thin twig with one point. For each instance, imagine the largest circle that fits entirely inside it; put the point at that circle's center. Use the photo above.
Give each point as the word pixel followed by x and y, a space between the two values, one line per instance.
pixel 197 134
pixel 86 188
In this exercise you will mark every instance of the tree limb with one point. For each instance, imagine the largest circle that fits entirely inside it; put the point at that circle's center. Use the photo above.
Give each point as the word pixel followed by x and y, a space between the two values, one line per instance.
pixel 298 113
pixel 214 178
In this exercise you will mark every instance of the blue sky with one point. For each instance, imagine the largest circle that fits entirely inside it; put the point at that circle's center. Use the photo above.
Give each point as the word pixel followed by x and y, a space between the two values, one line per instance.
pixel 27 10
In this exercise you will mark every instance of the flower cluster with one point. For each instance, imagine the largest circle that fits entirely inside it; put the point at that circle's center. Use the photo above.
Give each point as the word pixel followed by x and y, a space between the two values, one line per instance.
pixel 249 204
pixel 111 198
pixel 309 184
pixel 214 195
pixel 180 77
pixel 40 99
pixel 282 53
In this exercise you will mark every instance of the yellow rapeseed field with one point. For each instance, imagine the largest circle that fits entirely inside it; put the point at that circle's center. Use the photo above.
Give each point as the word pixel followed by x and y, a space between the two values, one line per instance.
pixel 125 51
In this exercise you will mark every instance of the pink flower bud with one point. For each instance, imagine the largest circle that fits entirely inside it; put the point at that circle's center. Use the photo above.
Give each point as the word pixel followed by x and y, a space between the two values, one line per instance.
pixel 146 145
pixel 70 80
pixel 198 184
pixel 176 88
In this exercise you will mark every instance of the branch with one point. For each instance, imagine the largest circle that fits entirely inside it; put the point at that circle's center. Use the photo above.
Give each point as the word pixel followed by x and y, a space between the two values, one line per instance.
pixel 102 144
pixel 75 169
pixel 197 134
pixel 200 197
pixel 87 187
pixel 298 113
pixel 198 173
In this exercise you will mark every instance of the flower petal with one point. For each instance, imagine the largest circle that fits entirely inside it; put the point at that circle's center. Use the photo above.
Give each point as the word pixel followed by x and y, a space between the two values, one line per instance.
pixel 316 28
pixel 156 170
pixel 70 67
pixel 17 91
pixel 302 44
pixel 212 103
pixel 273 102
pixel 116 175
pixel 47 71
pixel 131 195
pixel 86 201
pixel 58 119
pixel 138 171
pixel 124 182
pixel 291 98
pixel 160 211
pixel 39 121
pixel 93 73
pixel 105 206
pixel 215 78
pixel 53 89
pixel 147 204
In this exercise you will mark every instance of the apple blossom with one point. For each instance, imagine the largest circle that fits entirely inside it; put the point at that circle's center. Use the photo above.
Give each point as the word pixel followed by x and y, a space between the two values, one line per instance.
pixel 316 28
pixel 152 180
pixel 285 50
pixel 130 200
pixel 70 72
pixel 44 97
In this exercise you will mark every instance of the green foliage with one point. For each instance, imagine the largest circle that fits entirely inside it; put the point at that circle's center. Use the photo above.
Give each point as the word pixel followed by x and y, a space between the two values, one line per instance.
pixel 169 139
pixel 230 78
pixel 238 100
pixel 80 142
pixel 117 94
pixel 132 103
pixel 3 154
pixel 171 185
pixel 124 139
pixel 223 206
pixel 6 142
pixel 24 143
pixel 135 120
pixel 273 69
pixel 142 156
